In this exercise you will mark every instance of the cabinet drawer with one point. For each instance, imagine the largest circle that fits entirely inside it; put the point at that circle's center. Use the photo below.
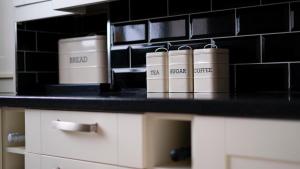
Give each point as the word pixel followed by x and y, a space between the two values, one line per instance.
pixel 55 163
pixel 72 135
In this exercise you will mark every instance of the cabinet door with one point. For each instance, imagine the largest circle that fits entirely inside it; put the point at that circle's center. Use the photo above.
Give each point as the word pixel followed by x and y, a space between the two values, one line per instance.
pixel 40 10
pixel 227 143
pixel 26 2
pixel 7 47
pixel 63 4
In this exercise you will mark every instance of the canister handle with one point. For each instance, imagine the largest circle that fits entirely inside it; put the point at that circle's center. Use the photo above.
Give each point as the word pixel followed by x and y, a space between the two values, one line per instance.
pixel 211 45
pixel 163 49
pixel 185 46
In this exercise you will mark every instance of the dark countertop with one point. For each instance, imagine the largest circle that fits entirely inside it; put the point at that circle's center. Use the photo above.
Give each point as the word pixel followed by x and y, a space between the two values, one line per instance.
pixel 270 106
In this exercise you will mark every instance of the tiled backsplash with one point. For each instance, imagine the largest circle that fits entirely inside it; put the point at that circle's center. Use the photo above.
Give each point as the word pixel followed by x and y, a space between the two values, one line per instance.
pixel 37 48
pixel 263 36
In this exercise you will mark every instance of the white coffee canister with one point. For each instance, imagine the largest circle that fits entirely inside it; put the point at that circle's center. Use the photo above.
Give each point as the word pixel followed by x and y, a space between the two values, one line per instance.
pixel 181 71
pixel 83 60
pixel 211 70
pixel 157 72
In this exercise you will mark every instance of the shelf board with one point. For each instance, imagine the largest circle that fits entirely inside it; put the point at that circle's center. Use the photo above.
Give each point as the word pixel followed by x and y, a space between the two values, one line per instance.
pixel 16 150
pixel 176 165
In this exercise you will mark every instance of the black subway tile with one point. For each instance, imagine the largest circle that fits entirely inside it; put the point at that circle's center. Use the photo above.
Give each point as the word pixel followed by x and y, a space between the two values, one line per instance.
pixel 295 77
pixel 26 40
pixel 20 61
pixel 119 10
pixel 172 28
pixel 48 42
pixel 47 78
pixel 130 33
pixel 281 48
pixel 295 13
pixel 148 9
pixel 129 80
pixel 265 19
pixel 64 24
pixel 120 58
pixel 21 25
pixel 188 6
pixel 138 54
pixel 213 24
pixel 27 84
pixel 273 1
pixel 38 61
pixel 94 24
pixel 221 4
pixel 262 78
pixel 242 50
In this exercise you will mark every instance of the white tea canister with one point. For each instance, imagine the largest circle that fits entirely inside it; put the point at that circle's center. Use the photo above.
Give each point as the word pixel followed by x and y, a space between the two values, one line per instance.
pixel 157 71
pixel 211 70
pixel 181 71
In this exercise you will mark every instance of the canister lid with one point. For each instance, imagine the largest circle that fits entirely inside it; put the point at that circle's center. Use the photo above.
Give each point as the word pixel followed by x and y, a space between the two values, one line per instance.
pixel 211 51
pixel 180 52
pixel 96 37
pixel 156 54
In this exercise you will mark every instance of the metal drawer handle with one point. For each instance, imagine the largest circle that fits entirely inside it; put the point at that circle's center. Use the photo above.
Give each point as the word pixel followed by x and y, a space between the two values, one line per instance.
pixel 75 127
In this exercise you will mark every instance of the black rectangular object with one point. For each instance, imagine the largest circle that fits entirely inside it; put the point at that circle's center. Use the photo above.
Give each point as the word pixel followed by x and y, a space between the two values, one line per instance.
pixel 172 28
pixel 119 10
pixel 242 49
pixel 213 24
pixel 221 4
pixel 147 9
pixel 281 48
pixel 295 77
pixel 264 19
pixel 295 14
pixel 127 33
pixel 120 58
pixel 188 6
pixel 262 78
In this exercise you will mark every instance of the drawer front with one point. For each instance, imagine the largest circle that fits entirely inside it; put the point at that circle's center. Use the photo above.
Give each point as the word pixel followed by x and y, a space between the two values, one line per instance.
pixel 61 137
pixel 32 161
pixel 61 163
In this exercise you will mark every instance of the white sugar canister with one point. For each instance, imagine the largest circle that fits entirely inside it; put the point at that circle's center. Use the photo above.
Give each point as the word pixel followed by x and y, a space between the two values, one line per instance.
pixel 211 70
pixel 83 60
pixel 181 71
pixel 157 72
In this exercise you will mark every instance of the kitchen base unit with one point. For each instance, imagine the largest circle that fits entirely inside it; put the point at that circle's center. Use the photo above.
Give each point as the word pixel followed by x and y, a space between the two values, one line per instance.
pixel 110 140
pixel 233 143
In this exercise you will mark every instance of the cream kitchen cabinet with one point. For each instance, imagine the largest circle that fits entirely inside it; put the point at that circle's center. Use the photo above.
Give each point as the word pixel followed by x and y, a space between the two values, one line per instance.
pixel 38 10
pixel 232 143
pixel 26 2
pixel 64 4
pixel 114 139
pixel 7 48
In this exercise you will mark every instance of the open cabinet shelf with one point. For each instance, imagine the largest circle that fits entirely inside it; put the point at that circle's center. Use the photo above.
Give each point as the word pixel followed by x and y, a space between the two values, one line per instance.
pixel 167 133
pixel 16 150
pixel 176 165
